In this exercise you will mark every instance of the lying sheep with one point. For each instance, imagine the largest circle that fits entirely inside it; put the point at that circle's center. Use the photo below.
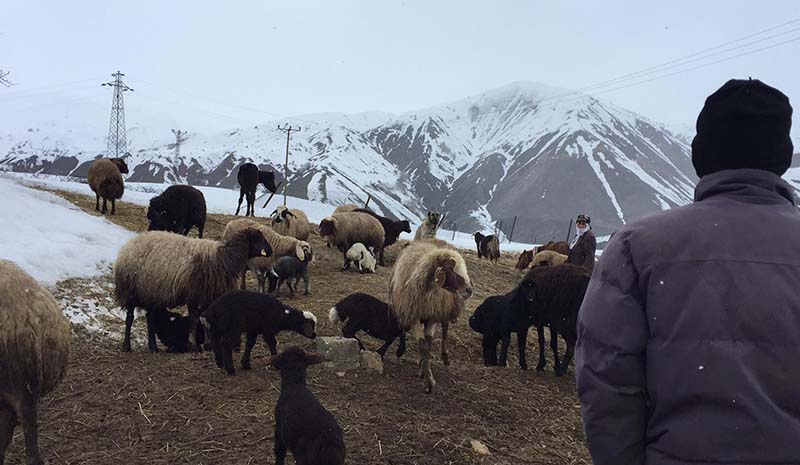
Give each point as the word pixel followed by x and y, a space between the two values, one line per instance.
pixel 282 246
pixel 34 348
pixel 286 269
pixel 105 180
pixel 249 177
pixel 391 229
pixel 172 330
pixel 488 246
pixel 177 210
pixel 158 270
pixel 290 222
pixel 345 229
pixel 253 314
pixel 302 425
pixel 362 312
pixel 543 258
pixel 561 247
pixel 362 257
pixel 428 286
pixel 499 316
pixel 429 227
pixel 346 208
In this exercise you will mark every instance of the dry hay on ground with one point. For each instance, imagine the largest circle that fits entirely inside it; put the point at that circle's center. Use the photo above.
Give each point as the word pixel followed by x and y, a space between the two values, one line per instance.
pixel 140 408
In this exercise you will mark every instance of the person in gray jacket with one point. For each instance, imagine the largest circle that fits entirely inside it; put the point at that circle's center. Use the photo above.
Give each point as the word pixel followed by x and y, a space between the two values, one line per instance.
pixel 689 335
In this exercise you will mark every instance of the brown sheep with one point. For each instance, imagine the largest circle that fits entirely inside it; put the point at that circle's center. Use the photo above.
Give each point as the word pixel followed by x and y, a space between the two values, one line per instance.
pixel 346 208
pixel 290 222
pixel 561 247
pixel 545 257
pixel 159 270
pixel 345 229
pixel 34 348
pixel 488 246
pixel 105 179
pixel 282 246
pixel 428 286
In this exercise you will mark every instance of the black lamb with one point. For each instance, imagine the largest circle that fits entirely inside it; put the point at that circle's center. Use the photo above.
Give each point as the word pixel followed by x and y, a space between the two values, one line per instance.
pixel 302 425
pixel 362 312
pixel 178 209
pixel 251 313
pixel 249 177
pixel 172 330
pixel 499 316
pixel 391 229
pixel 285 270
pixel 557 295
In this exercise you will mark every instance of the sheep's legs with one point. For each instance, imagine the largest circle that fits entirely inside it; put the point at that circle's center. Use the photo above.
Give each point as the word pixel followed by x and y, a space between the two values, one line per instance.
pixel 272 343
pixel 262 282
pixel 522 340
pixel 381 259
pixel 307 285
pixel 280 449
pixel 489 351
pixel 97 202
pixel 445 354
pixel 151 330
pixel 554 348
pixel 192 346
pixel 542 361
pixel 402 348
pixel 7 422
pixel 350 329
pixel 200 230
pixel 239 206
pixel 126 345
pixel 562 369
pixel 425 346
pixel 113 206
pixel 30 423
pixel 104 209
pixel 251 204
pixel 248 348
pixel 505 342
pixel 218 352
pixel 227 354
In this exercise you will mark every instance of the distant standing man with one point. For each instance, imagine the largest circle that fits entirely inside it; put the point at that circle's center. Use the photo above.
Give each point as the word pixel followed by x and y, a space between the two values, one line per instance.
pixel 584 245
pixel 689 334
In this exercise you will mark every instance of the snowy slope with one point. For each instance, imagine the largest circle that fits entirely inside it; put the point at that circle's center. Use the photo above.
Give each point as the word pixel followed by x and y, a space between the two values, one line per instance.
pixel 51 239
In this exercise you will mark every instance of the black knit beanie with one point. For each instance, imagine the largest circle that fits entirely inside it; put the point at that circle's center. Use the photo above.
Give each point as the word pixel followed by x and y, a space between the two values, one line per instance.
pixel 744 124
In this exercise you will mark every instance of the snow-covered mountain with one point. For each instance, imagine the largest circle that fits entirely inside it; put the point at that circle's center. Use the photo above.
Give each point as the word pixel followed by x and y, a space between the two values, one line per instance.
pixel 526 150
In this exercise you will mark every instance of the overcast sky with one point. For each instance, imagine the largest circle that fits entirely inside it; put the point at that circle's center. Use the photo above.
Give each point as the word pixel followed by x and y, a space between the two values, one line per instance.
pixel 200 62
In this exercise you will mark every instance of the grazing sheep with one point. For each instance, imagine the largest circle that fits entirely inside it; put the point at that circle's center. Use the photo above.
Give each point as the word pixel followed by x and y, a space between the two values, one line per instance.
pixel 302 425
pixel 249 177
pixel 555 294
pixel 158 270
pixel 428 285
pixel 345 229
pixel 543 258
pixel 254 314
pixel 172 330
pixel 499 316
pixel 34 348
pixel 284 270
pixel 282 246
pixel 391 229
pixel 105 179
pixel 177 210
pixel 290 222
pixel 346 208
pixel 561 247
pixel 362 257
pixel 488 246
pixel 428 228
pixel 362 312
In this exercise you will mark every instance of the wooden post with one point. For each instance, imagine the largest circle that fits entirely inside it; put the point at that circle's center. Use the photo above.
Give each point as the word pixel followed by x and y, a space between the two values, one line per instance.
pixel 570 229
pixel 512 229
pixel 272 194
pixel 288 130
pixel 454 232
pixel 369 197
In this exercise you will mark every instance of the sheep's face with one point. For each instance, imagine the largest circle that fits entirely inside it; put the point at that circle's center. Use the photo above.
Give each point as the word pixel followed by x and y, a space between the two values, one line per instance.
pixel 160 221
pixel 281 214
pixel 453 278
pixel 526 290
pixel 258 246
pixel 273 278
pixel 304 252
pixel 405 226
pixel 267 178
pixel 525 259
pixel 309 325
pixel 295 357
pixel 434 218
pixel 121 165
pixel 326 227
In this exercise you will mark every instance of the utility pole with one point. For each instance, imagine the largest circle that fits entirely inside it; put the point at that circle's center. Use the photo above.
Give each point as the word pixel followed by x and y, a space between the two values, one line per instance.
pixel 180 136
pixel 288 129
pixel 117 139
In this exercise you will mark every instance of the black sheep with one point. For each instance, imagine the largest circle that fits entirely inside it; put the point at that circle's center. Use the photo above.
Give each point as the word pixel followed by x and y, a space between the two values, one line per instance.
pixel 251 313
pixel 391 229
pixel 286 269
pixel 178 209
pixel 249 177
pixel 362 312
pixel 172 330
pixel 499 316
pixel 488 246
pixel 302 425
pixel 557 295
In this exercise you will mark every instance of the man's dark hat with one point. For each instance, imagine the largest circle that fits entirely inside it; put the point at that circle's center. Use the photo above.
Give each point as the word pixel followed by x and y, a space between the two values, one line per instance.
pixel 584 218
pixel 744 124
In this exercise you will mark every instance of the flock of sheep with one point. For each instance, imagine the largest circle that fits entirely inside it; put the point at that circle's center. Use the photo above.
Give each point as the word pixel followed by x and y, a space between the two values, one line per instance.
pixel 163 269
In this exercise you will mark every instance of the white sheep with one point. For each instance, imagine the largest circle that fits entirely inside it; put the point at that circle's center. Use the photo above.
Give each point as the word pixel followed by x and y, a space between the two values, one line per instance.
pixel 362 257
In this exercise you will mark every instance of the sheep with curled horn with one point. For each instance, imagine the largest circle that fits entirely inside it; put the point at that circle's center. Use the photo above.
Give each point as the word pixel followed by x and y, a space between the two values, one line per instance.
pixel 34 348
pixel 429 285
pixel 290 222
pixel 105 180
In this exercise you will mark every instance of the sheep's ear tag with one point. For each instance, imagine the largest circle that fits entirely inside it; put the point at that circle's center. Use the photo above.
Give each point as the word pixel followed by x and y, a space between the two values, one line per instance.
pixel 286 311
pixel 441 276
pixel 172 318
pixel 264 252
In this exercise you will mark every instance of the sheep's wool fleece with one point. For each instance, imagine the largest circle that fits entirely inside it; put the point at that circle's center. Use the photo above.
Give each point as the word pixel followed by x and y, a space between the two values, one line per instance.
pixel 34 333
pixel 282 246
pixel 104 170
pixel 413 294
pixel 357 227
pixel 297 227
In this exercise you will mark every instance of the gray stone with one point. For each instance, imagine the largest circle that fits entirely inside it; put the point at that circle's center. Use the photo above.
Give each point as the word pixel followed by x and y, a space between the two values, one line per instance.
pixel 371 361
pixel 340 352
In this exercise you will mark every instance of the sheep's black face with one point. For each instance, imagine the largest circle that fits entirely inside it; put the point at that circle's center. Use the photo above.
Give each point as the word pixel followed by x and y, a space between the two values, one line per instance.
pixel 405 226
pixel 326 228
pixel 121 165
pixel 273 280
pixel 295 357
pixel 267 178
pixel 160 221
pixel 259 247
pixel 525 259
pixel 527 290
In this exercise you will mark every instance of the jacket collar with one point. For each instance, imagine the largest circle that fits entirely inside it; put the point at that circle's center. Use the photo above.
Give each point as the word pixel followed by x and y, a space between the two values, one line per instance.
pixel 745 185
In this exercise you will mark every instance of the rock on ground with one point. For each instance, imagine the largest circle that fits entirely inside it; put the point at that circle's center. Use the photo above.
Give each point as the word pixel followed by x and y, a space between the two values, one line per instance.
pixel 371 361
pixel 340 352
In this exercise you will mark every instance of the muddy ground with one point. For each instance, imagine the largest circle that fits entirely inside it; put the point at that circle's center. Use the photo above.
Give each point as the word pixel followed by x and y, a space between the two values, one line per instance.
pixel 141 408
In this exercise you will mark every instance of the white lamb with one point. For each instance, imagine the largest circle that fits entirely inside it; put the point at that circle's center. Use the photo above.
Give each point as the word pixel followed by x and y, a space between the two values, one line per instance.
pixel 361 256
